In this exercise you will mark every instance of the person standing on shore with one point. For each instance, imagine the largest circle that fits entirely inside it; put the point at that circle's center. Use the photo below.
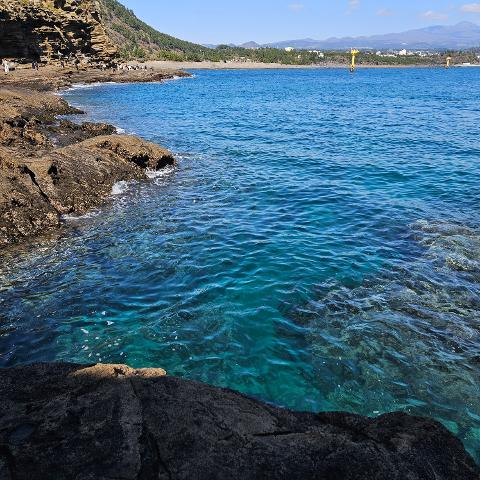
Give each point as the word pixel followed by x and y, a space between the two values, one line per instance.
pixel 6 66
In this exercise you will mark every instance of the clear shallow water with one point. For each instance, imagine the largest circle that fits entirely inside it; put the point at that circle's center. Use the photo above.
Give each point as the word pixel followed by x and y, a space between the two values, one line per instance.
pixel 318 245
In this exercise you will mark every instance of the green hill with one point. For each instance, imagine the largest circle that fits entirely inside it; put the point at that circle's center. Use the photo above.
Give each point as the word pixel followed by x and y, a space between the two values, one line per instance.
pixel 136 39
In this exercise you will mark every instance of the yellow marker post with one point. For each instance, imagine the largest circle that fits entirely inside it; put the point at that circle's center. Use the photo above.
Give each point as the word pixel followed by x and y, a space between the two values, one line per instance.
pixel 354 56
pixel 448 62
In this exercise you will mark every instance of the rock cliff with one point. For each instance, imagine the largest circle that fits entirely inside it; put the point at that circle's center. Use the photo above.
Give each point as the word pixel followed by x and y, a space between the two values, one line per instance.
pixel 51 30
pixel 108 422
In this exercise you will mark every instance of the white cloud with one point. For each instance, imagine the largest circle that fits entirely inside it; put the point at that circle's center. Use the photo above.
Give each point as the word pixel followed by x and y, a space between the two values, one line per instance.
pixel 470 8
pixel 431 15
pixel 384 12
pixel 353 5
pixel 296 7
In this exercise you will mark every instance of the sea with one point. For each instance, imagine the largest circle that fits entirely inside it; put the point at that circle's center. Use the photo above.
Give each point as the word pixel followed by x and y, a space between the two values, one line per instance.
pixel 317 245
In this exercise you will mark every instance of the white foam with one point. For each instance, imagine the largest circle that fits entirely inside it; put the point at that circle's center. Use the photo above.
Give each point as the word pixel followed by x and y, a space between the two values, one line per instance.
pixel 84 86
pixel 152 174
pixel 119 188
pixel 81 86
pixel 77 218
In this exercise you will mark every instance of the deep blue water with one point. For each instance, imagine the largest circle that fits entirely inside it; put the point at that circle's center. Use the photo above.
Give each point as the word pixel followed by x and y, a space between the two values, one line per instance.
pixel 317 246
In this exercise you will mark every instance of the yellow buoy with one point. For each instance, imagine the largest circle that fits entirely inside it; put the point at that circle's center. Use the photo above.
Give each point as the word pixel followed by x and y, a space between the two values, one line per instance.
pixel 354 53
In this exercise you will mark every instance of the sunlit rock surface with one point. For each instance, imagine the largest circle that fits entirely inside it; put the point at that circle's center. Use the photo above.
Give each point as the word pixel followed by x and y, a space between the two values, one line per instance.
pixel 50 30
pixel 41 180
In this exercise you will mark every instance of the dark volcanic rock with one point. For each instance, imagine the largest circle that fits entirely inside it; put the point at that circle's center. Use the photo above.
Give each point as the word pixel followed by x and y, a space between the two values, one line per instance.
pixel 66 421
pixel 67 132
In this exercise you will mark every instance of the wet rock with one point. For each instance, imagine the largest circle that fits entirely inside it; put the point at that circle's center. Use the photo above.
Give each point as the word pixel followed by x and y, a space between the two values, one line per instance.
pixel 67 132
pixel 24 211
pixel 144 155
pixel 52 78
pixel 21 108
pixel 78 177
pixel 49 168
pixel 90 129
pixel 68 421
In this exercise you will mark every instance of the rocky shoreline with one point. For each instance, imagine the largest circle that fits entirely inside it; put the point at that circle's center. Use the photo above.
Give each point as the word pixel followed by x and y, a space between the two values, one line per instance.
pixel 51 167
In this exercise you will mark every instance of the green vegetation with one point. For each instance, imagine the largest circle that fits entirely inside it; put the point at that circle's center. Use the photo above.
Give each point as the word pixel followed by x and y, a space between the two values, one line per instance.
pixel 439 58
pixel 138 41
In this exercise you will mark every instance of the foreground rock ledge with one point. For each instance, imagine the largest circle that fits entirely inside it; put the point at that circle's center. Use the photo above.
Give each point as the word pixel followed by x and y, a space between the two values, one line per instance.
pixel 66 421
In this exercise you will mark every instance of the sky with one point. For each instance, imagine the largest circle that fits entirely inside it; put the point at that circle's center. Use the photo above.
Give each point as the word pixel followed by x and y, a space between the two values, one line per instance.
pixel 263 21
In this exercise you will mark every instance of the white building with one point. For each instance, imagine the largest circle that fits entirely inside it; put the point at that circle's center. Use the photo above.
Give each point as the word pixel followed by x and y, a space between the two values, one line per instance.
pixel 289 49
pixel 403 52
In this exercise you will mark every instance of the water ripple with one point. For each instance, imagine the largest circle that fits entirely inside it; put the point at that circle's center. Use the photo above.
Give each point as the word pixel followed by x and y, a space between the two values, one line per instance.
pixel 318 244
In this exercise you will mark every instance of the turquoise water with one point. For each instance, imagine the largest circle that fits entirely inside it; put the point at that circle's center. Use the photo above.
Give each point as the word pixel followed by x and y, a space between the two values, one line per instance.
pixel 317 246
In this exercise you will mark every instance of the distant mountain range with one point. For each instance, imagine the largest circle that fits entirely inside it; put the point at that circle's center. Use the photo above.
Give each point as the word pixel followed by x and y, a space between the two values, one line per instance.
pixel 457 37
pixel 250 45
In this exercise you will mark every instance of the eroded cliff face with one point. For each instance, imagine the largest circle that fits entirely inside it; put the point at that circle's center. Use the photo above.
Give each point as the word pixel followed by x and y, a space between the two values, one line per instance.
pixel 51 30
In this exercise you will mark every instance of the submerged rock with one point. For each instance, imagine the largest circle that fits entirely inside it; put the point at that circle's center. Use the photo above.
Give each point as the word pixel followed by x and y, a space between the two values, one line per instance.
pixel 68 421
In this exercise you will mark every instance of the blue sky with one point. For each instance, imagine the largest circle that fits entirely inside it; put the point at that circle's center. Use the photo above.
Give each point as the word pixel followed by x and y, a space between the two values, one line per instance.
pixel 222 21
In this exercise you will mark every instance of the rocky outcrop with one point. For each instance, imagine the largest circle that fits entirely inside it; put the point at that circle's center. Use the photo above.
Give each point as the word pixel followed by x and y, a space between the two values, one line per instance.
pixel 54 78
pixel 68 421
pixel 49 168
pixel 35 192
pixel 50 30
